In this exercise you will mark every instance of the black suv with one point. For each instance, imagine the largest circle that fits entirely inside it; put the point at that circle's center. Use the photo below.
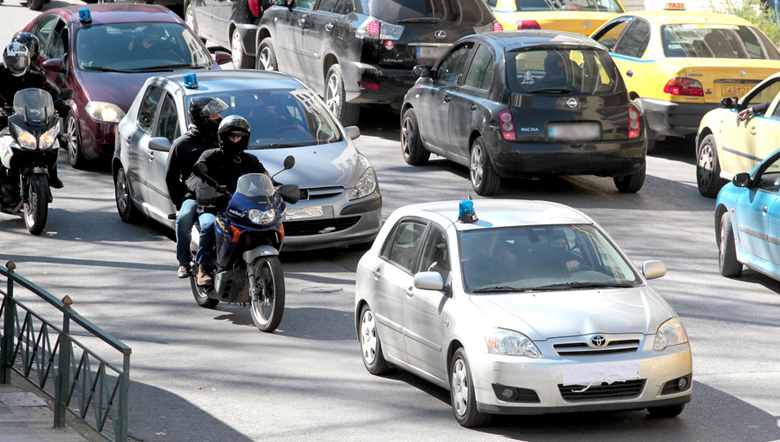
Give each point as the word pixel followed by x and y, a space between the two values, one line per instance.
pixel 355 52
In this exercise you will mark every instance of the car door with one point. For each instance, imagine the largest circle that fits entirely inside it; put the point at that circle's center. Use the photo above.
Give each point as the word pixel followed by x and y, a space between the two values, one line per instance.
pixel 59 46
pixel 757 213
pixel 423 309
pixel 139 156
pixel 612 36
pixel 747 143
pixel 628 54
pixel 316 33
pixel 43 29
pixel 167 125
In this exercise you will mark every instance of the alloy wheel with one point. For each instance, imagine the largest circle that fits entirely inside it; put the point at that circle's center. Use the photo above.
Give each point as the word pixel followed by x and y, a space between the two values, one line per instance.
pixel 266 61
pixel 122 192
pixel 333 94
pixel 407 135
pixel 368 337
pixel 477 166
pixel 705 163
pixel 73 140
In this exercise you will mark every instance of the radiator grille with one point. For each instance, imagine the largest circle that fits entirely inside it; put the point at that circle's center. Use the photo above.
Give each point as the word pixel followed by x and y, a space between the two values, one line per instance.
pixel 315 227
pixel 583 349
pixel 605 391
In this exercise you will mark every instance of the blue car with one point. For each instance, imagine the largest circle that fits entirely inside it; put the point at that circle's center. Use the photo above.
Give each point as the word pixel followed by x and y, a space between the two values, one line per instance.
pixel 747 221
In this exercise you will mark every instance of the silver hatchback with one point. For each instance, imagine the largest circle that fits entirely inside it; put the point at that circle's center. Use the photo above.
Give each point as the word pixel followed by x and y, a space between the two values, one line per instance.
pixel 340 202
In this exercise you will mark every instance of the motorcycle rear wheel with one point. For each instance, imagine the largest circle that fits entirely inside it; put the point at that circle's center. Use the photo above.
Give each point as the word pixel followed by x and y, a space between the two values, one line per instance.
pixel 36 209
pixel 268 300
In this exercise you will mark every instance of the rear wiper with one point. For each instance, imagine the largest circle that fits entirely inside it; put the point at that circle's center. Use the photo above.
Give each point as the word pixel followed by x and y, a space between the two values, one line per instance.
pixel 553 90
pixel 162 67
pixel 420 20
pixel 498 288
pixel 583 285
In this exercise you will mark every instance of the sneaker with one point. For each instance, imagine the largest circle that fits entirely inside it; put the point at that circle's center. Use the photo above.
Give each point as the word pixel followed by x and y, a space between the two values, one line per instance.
pixel 184 271
pixel 204 277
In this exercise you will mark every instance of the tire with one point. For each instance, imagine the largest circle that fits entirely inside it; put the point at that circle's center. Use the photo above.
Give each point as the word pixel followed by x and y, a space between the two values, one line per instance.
pixel 240 59
pixel 36 209
pixel 189 18
pixel 631 183
pixel 35 5
pixel 727 249
pixel 335 98
pixel 75 155
pixel 481 173
pixel 199 293
pixel 411 143
pixel 266 56
pixel 708 168
pixel 124 203
pixel 267 304
pixel 464 403
pixel 666 412
pixel 370 345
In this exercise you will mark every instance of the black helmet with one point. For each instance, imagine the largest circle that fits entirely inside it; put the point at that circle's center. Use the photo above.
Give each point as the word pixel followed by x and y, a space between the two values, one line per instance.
pixel 234 126
pixel 201 108
pixel 33 44
pixel 17 59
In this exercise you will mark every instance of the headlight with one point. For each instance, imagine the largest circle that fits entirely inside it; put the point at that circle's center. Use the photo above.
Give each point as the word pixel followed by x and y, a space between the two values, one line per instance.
pixel 25 139
pixel 261 217
pixel 366 185
pixel 104 112
pixel 506 342
pixel 670 333
pixel 49 137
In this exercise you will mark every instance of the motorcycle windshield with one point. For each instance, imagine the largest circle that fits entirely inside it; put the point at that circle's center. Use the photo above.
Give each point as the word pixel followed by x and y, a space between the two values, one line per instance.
pixel 254 185
pixel 34 105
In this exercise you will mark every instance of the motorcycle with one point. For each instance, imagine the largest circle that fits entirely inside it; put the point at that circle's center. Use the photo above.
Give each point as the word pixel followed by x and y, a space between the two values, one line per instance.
pixel 249 235
pixel 28 150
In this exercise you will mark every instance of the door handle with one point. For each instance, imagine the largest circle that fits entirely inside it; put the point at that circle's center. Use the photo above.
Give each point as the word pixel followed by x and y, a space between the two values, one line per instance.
pixel 753 130
pixel 151 156
pixel 377 273
pixel 447 98
pixel 409 291
pixel 301 21
pixel 765 209
pixel 473 107
pixel 630 72
pixel 329 27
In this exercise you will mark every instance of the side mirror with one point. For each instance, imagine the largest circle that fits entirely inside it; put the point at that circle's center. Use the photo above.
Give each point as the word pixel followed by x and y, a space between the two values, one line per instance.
pixel 353 132
pixel 421 71
pixel 653 269
pixel 161 144
pixel 428 281
pixel 289 162
pixel 729 103
pixel 290 193
pixel 741 179
pixel 222 57
pixel 66 94
pixel 53 65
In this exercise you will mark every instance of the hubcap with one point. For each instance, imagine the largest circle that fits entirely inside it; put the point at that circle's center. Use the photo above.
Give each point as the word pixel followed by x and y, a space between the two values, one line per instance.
pixel 189 18
pixel 73 143
pixel 122 194
pixel 476 171
pixel 705 163
pixel 407 134
pixel 237 50
pixel 333 95
pixel 460 387
pixel 722 246
pixel 368 337
pixel 266 62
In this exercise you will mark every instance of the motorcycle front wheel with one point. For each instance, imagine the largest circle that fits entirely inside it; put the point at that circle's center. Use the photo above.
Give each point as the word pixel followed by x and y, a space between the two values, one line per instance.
pixel 268 300
pixel 36 209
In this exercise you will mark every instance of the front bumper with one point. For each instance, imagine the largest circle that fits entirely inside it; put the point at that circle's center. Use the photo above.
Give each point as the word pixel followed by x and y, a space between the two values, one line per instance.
pixel 97 138
pixel 670 119
pixel 393 84
pixel 545 377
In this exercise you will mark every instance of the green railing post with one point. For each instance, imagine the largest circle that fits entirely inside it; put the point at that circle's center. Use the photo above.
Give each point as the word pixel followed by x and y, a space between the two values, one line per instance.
pixel 7 344
pixel 63 374
pixel 124 402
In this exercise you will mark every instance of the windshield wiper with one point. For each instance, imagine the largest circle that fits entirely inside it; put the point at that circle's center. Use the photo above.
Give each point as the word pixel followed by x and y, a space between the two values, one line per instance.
pixel 104 69
pixel 419 20
pixel 162 67
pixel 498 288
pixel 583 285
pixel 553 90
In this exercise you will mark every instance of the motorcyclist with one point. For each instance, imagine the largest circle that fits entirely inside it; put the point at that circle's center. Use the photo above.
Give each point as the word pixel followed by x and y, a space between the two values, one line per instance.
pixel 201 135
pixel 20 73
pixel 225 165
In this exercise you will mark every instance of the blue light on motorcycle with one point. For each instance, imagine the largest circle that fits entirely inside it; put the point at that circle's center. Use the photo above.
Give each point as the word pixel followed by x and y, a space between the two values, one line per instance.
pixel 85 16
pixel 190 80
pixel 466 212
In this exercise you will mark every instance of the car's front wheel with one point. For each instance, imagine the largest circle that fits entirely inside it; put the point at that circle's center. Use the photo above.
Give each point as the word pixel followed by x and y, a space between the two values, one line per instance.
pixel 336 98
pixel 370 345
pixel 72 137
pixel 266 56
pixel 240 59
pixel 411 142
pixel 727 249
pixel 481 173
pixel 124 203
pixel 189 18
pixel 708 168
pixel 464 403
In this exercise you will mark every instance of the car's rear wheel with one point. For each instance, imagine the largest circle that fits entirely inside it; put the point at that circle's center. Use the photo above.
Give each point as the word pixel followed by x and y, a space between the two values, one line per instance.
pixel 35 5
pixel 240 59
pixel 481 173
pixel 727 249
pixel 336 98
pixel 631 183
pixel 72 137
pixel 464 403
pixel 189 18
pixel 411 143
pixel 668 411
pixel 370 345
pixel 266 56
pixel 124 203
pixel 708 168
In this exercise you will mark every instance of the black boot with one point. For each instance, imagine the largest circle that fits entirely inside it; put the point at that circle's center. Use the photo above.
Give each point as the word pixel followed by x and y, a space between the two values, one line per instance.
pixel 54 181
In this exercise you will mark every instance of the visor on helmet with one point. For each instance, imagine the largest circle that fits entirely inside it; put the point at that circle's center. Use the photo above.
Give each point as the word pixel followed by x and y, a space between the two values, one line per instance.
pixel 213 107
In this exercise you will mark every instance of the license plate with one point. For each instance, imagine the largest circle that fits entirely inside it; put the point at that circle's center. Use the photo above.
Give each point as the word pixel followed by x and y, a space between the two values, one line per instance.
pixel 596 373
pixel 430 52
pixel 734 91
pixel 295 213
pixel 574 131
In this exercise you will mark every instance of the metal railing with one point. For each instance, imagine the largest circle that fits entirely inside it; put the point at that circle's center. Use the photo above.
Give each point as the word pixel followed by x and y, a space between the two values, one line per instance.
pixel 95 395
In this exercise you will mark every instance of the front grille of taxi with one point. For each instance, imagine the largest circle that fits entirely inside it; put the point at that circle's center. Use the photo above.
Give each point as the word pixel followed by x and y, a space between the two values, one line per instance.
pixel 602 392
pixel 319 226
pixel 583 349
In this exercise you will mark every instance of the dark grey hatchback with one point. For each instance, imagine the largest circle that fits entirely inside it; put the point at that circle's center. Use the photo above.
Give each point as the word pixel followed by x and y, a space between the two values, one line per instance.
pixel 526 104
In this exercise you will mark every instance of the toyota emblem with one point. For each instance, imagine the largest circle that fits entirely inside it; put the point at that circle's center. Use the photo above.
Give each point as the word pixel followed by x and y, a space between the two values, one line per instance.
pixel 572 102
pixel 598 341
pixel 587 24
pixel 742 73
pixel 440 34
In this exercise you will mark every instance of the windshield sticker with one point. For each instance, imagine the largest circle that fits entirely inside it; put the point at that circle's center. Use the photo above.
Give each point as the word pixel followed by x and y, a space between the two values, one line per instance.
pixel 528 78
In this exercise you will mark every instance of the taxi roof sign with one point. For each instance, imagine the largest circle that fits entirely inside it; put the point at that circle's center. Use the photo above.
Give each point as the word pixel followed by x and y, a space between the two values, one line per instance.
pixel 669 6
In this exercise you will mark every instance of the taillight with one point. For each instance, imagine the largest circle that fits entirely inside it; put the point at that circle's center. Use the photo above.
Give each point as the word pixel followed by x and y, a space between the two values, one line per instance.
pixel 379 30
pixel 684 86
pixel 507 125
pixel 497 26
pixel 634 123
pixel 254 7
pixel 528 24
pixel 372 29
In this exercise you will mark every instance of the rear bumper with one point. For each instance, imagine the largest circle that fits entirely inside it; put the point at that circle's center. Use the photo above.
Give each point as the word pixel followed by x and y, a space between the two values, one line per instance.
pixel 669 119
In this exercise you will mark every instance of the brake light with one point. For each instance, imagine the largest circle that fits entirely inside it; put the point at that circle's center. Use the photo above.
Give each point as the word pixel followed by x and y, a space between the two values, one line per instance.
pixel 507 125
pixel 684 86
pixel 254 7
pixel 367 85
pixel 497 26
pixel 372 29
pixel 378 30
pixel 634 123
pixel 528 24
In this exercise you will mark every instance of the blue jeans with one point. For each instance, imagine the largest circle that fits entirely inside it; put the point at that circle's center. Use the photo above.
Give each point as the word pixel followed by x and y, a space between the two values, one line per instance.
pixel 184 221
pixel 207 236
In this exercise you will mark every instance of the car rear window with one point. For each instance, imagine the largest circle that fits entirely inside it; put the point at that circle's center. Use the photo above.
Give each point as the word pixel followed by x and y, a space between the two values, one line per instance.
pixel 433 11
pixel 569 5
pixel 716 41
pixel 564 71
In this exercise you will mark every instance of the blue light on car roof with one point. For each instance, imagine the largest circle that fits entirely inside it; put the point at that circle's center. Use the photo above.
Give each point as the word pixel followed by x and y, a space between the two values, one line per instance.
pixel 466 212
pixel 190 81
pixel 84 15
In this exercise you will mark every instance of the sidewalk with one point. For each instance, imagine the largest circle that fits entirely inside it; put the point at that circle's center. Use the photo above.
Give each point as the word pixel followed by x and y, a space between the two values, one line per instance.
pixel 25 417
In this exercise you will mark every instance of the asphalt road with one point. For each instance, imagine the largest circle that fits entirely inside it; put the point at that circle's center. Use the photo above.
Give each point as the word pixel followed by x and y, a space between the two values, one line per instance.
pixel 209 375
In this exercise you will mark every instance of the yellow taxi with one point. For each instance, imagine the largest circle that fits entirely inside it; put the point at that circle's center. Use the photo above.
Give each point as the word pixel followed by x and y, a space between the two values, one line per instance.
pixel 577 16
pixel 678 64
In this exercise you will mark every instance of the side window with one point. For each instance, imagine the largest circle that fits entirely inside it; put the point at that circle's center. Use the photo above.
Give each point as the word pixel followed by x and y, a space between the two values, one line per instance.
pixel 168 121
pixel 765 95
pixel 305 4
pixel 43 30
pixel 405 239
pixel 610 37
pixel 58 44
pixel 480 75
pixel 435 255
pixel 348 8
pixel 149 108
pixel 451 69
pixel 770 177
pixel 634 42
pixel 327 5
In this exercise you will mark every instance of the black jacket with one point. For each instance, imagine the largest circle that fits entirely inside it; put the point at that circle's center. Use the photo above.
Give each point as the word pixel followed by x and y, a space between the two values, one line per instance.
pixel 11 84
pixel 225 170
pixel 185 152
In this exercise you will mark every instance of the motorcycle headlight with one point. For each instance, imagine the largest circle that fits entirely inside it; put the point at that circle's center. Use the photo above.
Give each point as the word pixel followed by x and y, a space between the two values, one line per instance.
pixel 670 333
pixel 366 185
pixel 507 342
pixel 104 112
pixel 49 137
pixel 261 217
pixel 25 139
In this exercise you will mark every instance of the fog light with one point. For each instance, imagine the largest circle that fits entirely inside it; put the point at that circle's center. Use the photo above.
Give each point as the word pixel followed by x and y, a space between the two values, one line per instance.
pixel 682 383
pixel 509 394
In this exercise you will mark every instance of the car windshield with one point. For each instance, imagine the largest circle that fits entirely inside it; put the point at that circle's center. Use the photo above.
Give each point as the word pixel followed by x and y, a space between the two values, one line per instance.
pixel 138 47
pixel 282 117
pixel 562 71
pixel 538 258
pixel 569 5
pixel 427 11
pixel 716 41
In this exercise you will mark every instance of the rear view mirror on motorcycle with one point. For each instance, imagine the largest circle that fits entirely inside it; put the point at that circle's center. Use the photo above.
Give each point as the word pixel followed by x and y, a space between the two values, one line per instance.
pixel 289 162
pixel 290 193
